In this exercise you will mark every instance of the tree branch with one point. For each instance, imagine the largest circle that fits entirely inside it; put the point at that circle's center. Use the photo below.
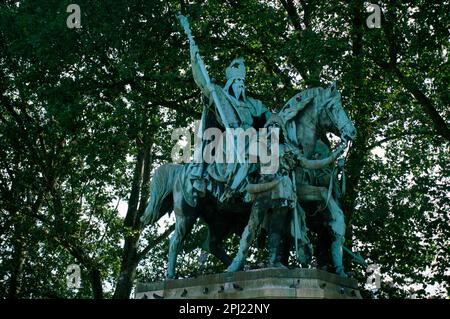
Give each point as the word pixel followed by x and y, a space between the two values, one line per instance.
pixel 178 107
pixel 292 14
pixel 145 185
pixel 440 125
pixel 400 135
pixel 74 249
pixel 154 242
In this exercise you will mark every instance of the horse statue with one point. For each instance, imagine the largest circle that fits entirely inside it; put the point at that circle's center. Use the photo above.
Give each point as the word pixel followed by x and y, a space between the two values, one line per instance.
pixel 309 115
pixel 307 122
pixel 222 219
pixel 333 118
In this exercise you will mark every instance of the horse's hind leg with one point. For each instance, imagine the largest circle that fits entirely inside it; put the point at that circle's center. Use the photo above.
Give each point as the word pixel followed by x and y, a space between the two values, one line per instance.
pixel 217 233
pixel 324 241
pixel 255 220
pixel 183 226
pixel 286 249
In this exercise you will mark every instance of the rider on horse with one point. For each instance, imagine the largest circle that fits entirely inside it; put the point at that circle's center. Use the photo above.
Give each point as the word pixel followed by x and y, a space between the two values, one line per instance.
pixel 228 108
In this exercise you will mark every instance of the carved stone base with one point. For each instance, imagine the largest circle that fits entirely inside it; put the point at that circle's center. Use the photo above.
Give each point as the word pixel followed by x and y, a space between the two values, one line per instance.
pixel 262 283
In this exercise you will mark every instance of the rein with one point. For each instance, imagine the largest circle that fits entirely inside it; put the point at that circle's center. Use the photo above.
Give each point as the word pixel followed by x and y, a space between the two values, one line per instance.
pixel 341 128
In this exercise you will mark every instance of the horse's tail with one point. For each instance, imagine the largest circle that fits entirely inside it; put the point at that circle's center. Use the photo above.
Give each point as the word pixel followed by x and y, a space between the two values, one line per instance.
pixel 161 188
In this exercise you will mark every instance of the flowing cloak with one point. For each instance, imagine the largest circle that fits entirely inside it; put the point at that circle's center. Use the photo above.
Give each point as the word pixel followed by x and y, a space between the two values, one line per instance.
pixel 234 113
pixel 222 174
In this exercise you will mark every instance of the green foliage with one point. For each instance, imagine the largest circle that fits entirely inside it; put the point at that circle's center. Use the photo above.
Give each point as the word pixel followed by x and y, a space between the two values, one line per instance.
pixel 78 106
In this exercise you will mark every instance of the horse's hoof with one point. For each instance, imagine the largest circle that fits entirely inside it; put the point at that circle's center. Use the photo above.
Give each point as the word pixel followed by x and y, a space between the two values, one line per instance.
pixel 233 268
pixel 350 274
pixel 277 265
pixel 170 277
pixel 342 274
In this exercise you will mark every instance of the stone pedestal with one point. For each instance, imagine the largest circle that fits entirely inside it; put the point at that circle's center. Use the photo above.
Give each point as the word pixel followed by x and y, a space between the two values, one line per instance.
pixel 262 283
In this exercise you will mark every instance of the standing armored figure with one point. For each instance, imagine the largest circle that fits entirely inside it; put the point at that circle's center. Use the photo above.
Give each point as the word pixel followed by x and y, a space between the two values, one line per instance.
pixel 274 198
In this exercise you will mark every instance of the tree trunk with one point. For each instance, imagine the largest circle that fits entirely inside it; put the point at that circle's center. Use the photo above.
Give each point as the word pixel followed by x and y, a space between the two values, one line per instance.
pixel 18 262
pixel 96 283
pixel 136 206
pixel 357 156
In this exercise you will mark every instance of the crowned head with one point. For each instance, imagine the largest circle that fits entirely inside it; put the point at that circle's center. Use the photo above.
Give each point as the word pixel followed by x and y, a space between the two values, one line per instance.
pixel 235 74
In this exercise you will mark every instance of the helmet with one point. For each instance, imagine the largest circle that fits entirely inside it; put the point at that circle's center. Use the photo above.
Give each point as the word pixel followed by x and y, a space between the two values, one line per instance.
pixel 236 70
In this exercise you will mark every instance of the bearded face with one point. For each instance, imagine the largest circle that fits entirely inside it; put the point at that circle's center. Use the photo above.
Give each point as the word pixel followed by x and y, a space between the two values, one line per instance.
pixel 238 88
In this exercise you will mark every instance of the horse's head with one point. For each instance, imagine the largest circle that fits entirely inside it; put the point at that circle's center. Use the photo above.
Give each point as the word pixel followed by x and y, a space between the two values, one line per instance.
pixel 316 110
pixel 332 117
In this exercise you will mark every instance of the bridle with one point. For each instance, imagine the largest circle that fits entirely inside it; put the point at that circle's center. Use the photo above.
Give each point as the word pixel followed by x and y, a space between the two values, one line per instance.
pixel 327 108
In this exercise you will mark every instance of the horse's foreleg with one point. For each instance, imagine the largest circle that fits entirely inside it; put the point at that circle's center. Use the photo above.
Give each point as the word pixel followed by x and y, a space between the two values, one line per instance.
pixel 217 250
pixel 285 250
pixel 277 235
pixel 255 220
pixel 338 227
pixel 217 233
pixel 336 254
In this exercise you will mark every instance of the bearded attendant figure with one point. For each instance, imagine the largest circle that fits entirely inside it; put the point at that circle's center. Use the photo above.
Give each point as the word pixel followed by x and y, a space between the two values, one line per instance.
pixel 275 207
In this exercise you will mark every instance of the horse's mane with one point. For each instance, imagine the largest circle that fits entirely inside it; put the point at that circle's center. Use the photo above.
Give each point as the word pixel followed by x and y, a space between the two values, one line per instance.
pixel 319 94
pixel 311 97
